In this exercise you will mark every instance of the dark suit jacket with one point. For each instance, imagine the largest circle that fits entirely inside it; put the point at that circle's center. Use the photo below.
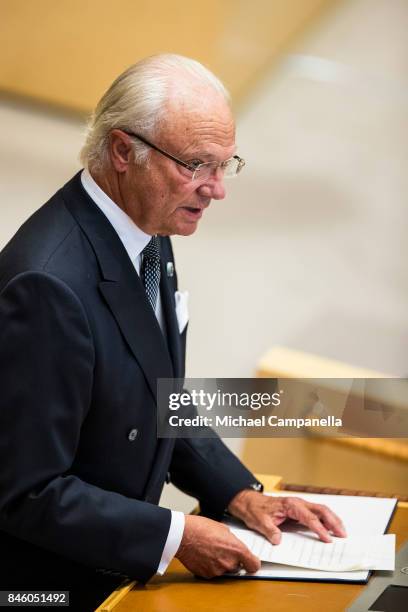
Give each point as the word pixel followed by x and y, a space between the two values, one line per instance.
pixel 80 354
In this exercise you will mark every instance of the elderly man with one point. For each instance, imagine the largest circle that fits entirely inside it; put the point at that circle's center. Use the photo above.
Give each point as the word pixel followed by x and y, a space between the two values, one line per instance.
pixel 88 325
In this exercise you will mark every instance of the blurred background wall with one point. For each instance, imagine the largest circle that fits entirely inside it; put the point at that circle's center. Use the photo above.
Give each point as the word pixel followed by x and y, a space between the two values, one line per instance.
pixel 309 249
pixel 68 52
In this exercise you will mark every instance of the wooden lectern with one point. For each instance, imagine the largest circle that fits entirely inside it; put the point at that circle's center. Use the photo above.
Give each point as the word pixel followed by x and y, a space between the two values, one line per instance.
pixel 179 591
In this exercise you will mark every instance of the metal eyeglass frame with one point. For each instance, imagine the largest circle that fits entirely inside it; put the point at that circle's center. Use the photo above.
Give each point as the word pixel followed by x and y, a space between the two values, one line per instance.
pixel 192 168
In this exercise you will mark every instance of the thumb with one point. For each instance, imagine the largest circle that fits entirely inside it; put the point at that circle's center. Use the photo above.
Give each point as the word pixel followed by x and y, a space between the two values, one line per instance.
pixel 250 563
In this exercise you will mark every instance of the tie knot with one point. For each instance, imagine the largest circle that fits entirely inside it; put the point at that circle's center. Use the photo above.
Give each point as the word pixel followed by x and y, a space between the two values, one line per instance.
pixel 152 250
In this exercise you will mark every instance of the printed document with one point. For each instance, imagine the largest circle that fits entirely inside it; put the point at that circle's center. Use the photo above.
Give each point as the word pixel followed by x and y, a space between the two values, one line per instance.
pixel 302 556
pixel 342 555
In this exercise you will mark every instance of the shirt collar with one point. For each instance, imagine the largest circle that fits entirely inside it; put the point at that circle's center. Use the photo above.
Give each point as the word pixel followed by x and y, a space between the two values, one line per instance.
pixel 133 238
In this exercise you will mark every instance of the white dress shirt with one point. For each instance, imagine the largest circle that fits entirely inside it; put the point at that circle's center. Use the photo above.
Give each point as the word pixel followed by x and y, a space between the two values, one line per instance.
pixel 134 240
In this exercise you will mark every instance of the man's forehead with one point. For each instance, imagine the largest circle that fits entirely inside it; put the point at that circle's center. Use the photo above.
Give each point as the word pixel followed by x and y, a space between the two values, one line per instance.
pixel 198 122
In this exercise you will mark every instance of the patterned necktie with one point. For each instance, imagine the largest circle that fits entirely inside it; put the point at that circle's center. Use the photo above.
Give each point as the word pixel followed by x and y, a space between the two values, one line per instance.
pixel 150 271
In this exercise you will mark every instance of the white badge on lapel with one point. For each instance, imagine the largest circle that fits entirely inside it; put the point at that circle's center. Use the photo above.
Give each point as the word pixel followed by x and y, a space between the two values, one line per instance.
pixel 181 299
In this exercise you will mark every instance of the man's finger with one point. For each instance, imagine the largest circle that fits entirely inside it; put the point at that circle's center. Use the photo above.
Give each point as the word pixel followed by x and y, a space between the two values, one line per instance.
pixel 306 517
pixel 249 562
pixel 329 519
pixel 268 529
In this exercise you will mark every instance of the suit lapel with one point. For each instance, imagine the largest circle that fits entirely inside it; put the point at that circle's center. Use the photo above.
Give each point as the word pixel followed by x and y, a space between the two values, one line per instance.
pixel 139 326
pixel 121 287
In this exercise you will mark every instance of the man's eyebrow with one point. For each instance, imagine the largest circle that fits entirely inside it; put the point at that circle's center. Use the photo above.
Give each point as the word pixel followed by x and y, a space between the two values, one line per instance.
pixel 201 155
pixel 205 155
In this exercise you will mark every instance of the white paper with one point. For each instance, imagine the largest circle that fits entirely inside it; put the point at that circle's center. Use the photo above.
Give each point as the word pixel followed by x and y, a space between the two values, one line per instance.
pixel 361 516
pixel 342 555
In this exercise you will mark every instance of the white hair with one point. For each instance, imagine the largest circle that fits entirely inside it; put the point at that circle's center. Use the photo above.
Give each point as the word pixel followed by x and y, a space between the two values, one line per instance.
pixel 136 101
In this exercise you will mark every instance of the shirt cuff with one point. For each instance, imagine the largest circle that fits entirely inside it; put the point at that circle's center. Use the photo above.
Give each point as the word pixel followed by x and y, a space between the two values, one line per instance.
pixel 173 540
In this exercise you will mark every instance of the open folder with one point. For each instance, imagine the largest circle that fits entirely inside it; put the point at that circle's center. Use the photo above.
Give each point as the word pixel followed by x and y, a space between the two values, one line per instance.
pixel 302 556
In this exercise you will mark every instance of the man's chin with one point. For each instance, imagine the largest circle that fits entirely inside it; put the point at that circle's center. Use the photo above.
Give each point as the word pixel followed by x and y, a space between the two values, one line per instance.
pixel 183 223
pixel 186 229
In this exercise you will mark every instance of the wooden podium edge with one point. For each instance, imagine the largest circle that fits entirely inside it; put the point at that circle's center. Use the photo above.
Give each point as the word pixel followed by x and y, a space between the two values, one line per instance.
pixel 116 596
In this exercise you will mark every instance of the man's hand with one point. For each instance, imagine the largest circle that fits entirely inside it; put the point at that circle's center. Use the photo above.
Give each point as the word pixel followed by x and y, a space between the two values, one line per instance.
pixel 264 513
pixel 209 549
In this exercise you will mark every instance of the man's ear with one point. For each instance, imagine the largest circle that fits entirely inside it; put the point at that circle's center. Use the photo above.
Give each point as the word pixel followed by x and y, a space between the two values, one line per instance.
pixel 120 150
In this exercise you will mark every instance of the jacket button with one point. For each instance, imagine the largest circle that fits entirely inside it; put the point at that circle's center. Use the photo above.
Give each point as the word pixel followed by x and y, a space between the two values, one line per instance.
pixel 132 435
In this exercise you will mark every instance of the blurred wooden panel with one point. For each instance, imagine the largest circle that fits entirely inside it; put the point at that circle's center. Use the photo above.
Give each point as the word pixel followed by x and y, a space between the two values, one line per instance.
pixel 283 362
pixel 68 52
pixel 327 463
pixel 371 464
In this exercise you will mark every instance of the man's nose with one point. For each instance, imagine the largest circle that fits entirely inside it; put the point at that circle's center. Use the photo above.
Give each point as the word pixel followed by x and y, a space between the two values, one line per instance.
pixel 214 187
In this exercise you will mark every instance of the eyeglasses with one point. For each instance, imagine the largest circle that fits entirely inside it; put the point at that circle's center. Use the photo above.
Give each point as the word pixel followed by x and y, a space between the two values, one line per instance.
pixel 200 170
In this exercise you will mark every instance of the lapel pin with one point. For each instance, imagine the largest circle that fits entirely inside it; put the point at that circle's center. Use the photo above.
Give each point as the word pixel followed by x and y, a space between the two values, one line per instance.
pixel 170 268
